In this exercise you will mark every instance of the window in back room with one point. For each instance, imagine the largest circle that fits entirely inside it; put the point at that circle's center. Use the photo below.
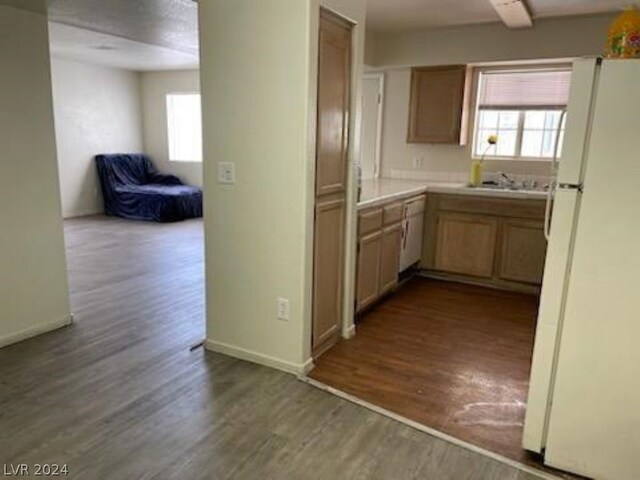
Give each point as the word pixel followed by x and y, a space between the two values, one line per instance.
pixel 184 123
pixel 524 109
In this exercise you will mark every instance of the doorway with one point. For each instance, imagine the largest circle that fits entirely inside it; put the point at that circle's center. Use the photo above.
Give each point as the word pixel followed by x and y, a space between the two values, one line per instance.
pixel 129 148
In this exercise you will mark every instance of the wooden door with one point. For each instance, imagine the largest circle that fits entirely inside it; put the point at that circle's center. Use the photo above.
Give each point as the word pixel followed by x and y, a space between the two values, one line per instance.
pixel 390 257
pixel 328 271
pixel 368 276
pixel 436 105
pixel 466 244
pixel 334 80
pixel 523 251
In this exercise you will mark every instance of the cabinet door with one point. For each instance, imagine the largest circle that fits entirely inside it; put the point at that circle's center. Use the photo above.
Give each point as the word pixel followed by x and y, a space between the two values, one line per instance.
pixel 334 77
pixel 436 105
pixel 328 271
pixel 524 249
pixel 466 244
pixel 368 278
pixel 390 257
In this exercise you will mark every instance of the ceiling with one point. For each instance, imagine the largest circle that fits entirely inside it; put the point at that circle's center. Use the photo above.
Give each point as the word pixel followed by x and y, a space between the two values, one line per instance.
pixel 92 47
pixel 403 15
pixel 132 34
pixel 163 34
pixel 171 24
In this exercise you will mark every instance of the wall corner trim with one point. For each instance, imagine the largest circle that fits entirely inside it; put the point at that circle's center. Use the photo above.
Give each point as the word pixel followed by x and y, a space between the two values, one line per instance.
pixel 349 332
pixel 259 358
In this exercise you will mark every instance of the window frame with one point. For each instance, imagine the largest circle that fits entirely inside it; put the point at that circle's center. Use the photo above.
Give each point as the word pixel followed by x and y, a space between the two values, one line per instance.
pixel 169 128
pixel 521 113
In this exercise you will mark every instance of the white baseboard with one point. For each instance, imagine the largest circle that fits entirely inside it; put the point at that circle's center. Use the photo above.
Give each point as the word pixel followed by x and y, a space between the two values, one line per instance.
pixel 307 367
pixel 259 358
pixel 82 213
pixel 35 330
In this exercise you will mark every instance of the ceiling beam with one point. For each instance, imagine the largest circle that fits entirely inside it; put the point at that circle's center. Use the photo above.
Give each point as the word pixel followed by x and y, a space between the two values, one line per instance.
pixel 514 13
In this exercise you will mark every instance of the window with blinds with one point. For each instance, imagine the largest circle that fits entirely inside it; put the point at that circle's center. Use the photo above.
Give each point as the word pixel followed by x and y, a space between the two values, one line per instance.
pixel 524 110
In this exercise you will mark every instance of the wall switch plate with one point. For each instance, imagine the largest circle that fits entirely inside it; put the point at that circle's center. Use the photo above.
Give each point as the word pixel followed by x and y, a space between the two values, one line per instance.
pixel 283 309
pixel 226 172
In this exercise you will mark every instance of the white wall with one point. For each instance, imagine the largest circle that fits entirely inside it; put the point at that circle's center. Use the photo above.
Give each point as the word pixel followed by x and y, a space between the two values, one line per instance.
pixel 155 87
pixel 33 282
pixel 549 38
pixel 258 231
pixel 97 110
pixel 555 38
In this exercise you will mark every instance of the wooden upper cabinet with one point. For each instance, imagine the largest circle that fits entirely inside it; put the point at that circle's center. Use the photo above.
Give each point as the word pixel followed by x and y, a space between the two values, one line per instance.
pixel 334 80
pixel 437 109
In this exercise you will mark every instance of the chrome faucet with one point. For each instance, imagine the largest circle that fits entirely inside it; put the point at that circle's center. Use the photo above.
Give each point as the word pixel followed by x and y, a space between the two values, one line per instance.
pixel 506 180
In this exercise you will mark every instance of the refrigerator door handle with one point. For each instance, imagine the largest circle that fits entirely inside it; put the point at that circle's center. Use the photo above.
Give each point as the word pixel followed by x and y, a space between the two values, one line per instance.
pixel 571 186
pixel 554 177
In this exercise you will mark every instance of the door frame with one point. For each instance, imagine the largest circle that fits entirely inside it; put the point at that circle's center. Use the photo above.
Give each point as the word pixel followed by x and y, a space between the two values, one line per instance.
pixel 378 148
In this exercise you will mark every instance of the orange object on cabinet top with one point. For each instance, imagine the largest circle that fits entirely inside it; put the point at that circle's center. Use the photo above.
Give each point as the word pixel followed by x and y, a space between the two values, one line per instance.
pixel 624 36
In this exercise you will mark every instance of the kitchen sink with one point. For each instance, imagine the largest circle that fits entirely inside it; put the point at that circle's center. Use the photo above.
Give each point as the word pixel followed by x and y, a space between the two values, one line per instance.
pixel 513 188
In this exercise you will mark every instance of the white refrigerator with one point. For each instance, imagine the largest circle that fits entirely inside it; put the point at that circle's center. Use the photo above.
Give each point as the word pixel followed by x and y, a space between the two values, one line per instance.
pixel 583 410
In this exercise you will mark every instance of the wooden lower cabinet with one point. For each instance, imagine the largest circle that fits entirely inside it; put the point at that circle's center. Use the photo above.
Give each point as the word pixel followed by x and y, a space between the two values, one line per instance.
pixel 466 244
pixel 368 282
pixel 523 251
pixel 390 257
pixel 328 272
pixel 379 244
pixel 493 241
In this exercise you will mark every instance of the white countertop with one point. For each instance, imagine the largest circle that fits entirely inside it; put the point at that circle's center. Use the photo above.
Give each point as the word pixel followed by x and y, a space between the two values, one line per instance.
pixel 383 190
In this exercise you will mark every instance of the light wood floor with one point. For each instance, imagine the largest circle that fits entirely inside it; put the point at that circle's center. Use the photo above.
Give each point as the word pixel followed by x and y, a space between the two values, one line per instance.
pixel 118 395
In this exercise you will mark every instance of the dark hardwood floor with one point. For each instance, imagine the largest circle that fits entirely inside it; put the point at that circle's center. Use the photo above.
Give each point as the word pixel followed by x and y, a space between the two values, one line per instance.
pixel 119 395
pixel 453 357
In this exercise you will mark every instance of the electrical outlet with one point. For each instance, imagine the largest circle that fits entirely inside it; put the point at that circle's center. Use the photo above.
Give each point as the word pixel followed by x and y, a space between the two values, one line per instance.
pixel 226 172
pixel 417 162
pixel 283 309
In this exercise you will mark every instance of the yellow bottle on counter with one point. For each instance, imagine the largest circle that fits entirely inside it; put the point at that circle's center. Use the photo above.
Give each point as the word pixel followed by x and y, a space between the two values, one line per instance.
pixel 475 176
pixel 624 36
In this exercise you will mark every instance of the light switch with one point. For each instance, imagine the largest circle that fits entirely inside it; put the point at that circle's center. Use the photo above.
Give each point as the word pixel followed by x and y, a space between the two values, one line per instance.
pixel 226 172
pixel 283 309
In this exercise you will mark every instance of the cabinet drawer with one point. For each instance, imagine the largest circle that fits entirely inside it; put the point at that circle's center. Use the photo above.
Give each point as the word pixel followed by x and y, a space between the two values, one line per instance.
pixel 369 221
pixel 392 213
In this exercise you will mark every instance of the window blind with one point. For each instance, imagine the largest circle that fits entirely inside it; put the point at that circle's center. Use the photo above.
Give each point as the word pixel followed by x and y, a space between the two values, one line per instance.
pixel 524 90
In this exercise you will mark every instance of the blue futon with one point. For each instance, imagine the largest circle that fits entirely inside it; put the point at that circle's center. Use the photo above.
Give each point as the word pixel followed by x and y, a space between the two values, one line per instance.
pixel 133 188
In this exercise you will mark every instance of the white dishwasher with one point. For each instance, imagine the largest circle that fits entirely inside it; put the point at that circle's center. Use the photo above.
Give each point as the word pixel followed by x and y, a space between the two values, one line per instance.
pixel 412 231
